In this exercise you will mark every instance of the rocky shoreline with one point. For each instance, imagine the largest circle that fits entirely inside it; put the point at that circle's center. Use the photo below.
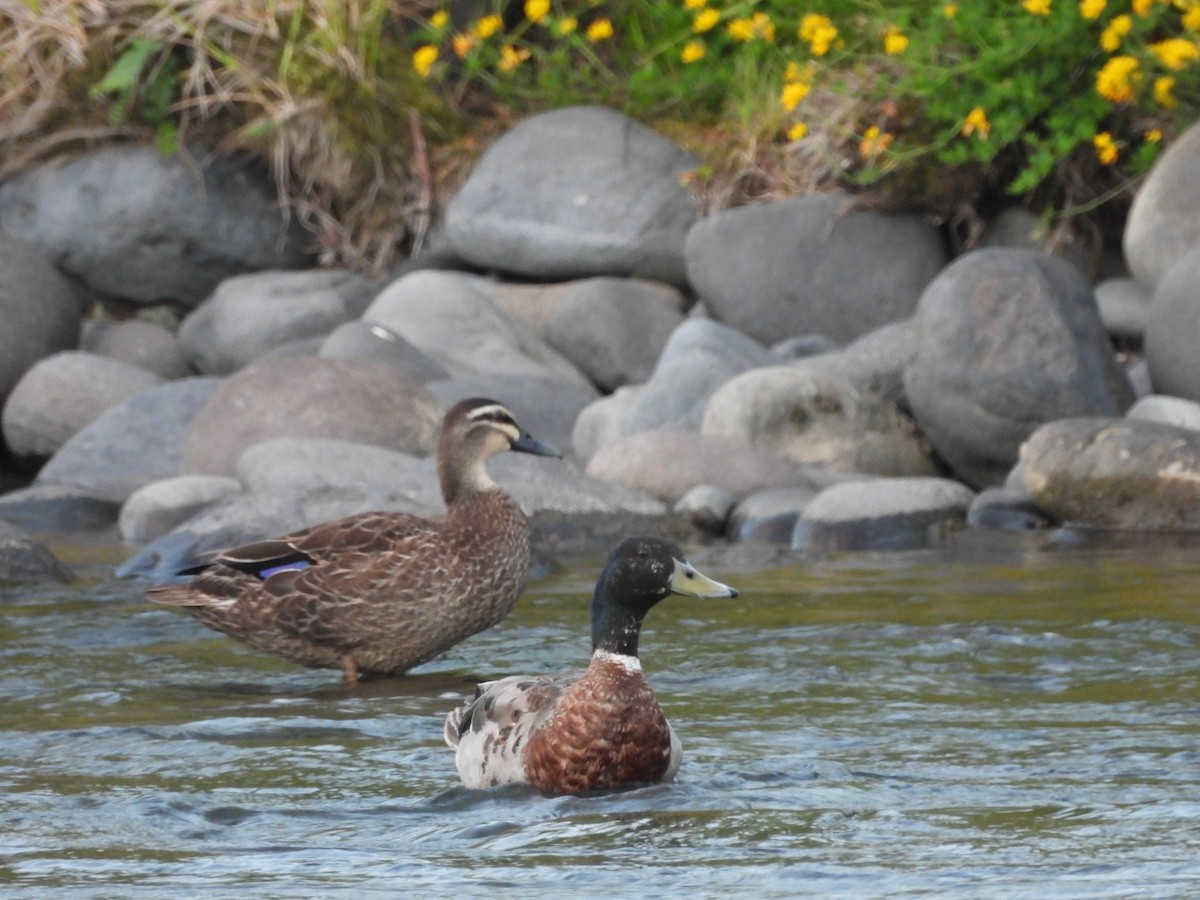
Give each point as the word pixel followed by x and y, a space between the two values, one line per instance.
pixel 805 372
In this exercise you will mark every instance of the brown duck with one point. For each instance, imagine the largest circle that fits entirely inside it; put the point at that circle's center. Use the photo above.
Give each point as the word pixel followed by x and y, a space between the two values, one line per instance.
pixel 381 592
pixel 597 730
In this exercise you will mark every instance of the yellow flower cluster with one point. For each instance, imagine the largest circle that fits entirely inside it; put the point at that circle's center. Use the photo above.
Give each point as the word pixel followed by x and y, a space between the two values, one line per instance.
pixel 977 123
pixel 818 31
pixel 1106 148
pixel 1114 32
pixel 1037 7
pixel 1117 79
pixel 1175 53
pixel 758 26
pixel 894 41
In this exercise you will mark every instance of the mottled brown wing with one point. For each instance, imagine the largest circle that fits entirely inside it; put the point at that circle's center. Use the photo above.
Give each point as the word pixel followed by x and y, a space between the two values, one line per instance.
pixel 374 532
pixel 337 602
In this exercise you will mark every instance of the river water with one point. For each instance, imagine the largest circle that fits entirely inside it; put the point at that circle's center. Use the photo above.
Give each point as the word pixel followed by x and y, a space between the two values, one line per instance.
pixel 1006 716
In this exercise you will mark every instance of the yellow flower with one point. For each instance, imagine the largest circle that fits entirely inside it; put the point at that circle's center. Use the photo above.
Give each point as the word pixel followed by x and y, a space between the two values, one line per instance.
pixel 536 10
pixel 757 26
pixel 1153 136
pixel 1106 149
pixel 511 57
pixel 599 30
pixel 1091 9
pixel 763 26
pixel 1191 18
pixel 705 20
pixel 793 92
pixel 1142 7
pixel 439 19
pixel 1175 53
pixel 797 72
pixel 567 25
pixel 1115 82
pixel 1110 38
pixel 462 44
pixel 693 51
pixel 488 25
pixel 977 121
pixel 797 131
pixel 894 41
pixel 819 31
pixel 741 30
pixel 1162 92
pixel 950 10
pixel 1037 7
pixel 694 4
pixel 423 59
pixel 873 142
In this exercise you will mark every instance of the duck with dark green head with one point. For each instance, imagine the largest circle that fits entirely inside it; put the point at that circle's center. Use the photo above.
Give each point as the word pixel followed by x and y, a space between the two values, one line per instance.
pixel 598 730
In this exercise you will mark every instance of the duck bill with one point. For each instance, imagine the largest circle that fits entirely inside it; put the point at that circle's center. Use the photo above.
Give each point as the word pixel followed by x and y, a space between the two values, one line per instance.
pixel 528 444
pixel 689 581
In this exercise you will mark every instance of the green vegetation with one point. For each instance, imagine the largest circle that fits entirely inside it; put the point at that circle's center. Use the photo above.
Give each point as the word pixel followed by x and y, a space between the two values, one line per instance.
pixel 366 108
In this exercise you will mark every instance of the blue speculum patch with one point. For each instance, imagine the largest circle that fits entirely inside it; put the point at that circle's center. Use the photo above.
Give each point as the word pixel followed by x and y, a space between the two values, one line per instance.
pixel 298 566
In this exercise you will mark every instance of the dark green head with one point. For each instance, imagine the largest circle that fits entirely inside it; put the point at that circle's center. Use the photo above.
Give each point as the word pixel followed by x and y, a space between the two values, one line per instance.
pixel 639 573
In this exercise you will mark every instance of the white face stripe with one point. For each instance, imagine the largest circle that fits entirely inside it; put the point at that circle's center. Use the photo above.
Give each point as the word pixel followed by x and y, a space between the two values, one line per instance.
pixel 494 409
pixel 486 415
pixel 628 663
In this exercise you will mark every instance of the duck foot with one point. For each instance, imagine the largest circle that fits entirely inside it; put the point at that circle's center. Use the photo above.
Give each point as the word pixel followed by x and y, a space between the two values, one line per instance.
pixel 349 670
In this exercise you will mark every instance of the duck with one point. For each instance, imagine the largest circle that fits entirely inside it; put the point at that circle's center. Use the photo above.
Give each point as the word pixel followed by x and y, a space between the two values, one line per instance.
pixel 379 593
pixel 593 731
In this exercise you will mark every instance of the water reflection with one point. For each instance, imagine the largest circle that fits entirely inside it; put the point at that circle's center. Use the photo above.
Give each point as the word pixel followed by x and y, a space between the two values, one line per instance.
pixel 1007 716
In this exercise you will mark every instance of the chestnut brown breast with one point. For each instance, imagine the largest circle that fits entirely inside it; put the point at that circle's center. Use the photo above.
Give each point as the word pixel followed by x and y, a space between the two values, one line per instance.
pixel 606 731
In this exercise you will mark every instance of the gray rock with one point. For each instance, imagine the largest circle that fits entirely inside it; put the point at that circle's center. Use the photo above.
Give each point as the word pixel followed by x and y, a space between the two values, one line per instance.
pixel 546 409
pixel 61 394
pixel 443 315
pixel 146 345
pixel 706 507
pixel 1174 411
pixel 39 312
pixel 138 441
pixel 811 264
pixel 884 514
pixel 132 223
pixel 22 558
pixel 699 357
pixel 1164 220
pixel 154 509
pixel 1007 339
pixel 1124 307
pixel 1115 473
pixel 44 508
pixel 248 315
pixel 601 422
pixel 667 464
pixel 613 329
pixel 1017 228
pixel 361 339
pixel 816 420
pixel 363 401
pixel 804 346
pixel 1173 332
pixel 874 363
pixel 770 515
pixel 573 193
pixel 1003 509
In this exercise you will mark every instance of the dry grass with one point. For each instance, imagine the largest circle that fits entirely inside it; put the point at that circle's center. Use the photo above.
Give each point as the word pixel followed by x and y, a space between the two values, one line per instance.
pixel 310 87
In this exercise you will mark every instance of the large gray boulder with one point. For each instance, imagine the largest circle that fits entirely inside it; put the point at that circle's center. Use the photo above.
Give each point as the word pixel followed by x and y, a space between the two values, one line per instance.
pixel 248 315
pixel 811 264
pixel 1164 220
pixel 1129 474
pixel 132 223
pixel 138 441
pixel 573 193
pixel 1007 340
pixel 1173 330
pixel 23 558
pixel 366 402
pixel 817 420
pixel 39 311
pixel 63 393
